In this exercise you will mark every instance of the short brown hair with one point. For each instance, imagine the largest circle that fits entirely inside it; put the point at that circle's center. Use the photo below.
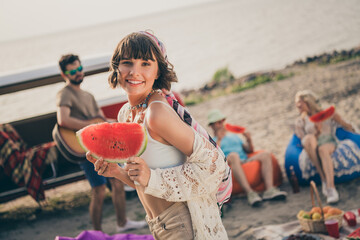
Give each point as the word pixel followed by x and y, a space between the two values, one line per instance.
pixel 139 46
pixel 67 59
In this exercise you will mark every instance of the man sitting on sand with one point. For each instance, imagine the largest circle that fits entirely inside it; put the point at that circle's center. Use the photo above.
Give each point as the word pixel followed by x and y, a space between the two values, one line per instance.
pixel 235 151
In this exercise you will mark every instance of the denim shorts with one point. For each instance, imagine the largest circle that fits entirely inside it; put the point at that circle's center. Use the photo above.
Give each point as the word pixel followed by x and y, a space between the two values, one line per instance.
pixel 94 179
pixel 172 224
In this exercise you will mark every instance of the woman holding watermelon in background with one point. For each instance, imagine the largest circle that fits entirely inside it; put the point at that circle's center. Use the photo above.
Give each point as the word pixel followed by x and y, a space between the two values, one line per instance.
pixel 317 134
pixel 178 175
pixel 236 152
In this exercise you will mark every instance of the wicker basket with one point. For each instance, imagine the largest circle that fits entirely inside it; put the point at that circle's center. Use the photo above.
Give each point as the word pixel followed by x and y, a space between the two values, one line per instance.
pixel 317 226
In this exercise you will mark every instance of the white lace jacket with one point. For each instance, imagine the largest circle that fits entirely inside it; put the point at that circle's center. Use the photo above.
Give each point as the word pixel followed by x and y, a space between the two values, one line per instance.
pixel 196 182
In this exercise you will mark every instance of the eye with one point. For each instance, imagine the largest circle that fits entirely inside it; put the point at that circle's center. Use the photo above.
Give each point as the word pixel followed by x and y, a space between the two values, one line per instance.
pixel 146 63
pixel 126 62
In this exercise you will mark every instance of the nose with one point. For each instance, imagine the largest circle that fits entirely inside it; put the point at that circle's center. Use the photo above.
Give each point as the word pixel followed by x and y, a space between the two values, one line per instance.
pixel 134 69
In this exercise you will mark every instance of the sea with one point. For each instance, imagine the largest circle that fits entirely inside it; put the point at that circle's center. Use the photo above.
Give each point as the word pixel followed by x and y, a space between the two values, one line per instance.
pixel 201 36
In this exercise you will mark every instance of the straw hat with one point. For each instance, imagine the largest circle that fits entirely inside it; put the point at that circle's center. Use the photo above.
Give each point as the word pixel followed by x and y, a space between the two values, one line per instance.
pixel 215 115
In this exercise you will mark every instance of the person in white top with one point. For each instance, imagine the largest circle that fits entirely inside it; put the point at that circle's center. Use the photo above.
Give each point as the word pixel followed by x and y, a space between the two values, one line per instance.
pixel 319 140
pixel 178 194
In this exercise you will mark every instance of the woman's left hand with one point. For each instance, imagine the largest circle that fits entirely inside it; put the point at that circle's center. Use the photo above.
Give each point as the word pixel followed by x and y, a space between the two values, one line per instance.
pixel 318 127
pixel 138 171
pixel 247 135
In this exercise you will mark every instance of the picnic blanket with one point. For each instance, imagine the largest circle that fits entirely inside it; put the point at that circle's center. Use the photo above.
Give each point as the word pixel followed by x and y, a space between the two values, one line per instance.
pixel 281 231
pixel 24 165
pixel 99 235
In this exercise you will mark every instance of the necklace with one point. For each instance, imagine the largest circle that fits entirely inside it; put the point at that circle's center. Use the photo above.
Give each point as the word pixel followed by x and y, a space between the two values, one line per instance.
pixel 142 105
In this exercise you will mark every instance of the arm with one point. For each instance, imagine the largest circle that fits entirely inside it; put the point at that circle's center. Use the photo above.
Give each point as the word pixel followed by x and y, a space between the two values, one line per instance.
pixel 200 175
pixel 343 123
pixel 248 146
pixel 299 127
pixel 65 120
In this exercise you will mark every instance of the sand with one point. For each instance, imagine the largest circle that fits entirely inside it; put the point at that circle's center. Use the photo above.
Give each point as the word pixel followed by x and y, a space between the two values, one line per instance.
pixel 268 112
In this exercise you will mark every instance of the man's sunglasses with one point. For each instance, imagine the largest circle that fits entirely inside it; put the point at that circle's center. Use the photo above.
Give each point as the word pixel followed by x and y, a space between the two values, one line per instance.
pixel 74 71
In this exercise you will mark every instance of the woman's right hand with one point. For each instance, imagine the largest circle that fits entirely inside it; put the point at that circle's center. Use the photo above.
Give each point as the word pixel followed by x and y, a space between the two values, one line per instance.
pixel 102 167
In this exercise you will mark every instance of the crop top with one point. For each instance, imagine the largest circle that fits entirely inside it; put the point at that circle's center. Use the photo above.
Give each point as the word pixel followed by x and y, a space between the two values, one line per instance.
pixel 159 155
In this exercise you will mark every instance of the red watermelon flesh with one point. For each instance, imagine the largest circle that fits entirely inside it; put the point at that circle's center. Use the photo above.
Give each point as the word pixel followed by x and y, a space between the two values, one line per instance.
pixel 323 115
pixel 234 128
pixel 114 142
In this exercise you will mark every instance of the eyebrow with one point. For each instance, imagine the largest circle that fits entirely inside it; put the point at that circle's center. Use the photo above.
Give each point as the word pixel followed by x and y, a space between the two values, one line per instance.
pixel 138 58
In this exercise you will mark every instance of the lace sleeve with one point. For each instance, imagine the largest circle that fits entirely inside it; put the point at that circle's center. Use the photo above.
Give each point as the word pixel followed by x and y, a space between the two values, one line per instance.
pixel 123 113
pixel 200 175
pixel 300 127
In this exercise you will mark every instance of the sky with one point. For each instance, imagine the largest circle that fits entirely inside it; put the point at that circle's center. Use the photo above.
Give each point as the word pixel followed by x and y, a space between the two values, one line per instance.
pixel 28 18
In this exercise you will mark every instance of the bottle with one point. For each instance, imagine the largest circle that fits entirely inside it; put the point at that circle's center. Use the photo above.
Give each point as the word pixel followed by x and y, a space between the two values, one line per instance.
pixel 294 181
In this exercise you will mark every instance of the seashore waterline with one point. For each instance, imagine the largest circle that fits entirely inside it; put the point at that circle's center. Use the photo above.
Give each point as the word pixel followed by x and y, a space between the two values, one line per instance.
pixel 245 36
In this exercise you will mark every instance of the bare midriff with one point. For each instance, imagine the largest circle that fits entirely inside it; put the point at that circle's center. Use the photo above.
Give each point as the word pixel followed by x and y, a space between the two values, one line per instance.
pixel 153 206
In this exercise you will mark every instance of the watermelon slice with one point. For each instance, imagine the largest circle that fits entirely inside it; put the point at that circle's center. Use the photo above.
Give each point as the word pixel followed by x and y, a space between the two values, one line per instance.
pixel 323 115
pixel 114 142
pixel 355 235
pixel 234 128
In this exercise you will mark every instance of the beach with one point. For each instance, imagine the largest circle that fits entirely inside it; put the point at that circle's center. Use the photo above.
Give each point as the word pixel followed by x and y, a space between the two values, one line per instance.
pixel 268 112
pixel 245 36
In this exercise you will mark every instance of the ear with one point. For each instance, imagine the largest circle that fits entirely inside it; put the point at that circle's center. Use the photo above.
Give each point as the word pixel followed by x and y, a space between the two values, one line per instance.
pixel 63 75
pixel 158 75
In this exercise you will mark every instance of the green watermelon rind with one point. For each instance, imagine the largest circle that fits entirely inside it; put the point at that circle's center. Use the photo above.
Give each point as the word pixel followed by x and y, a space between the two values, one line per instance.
pixel 78 137
pixel 142 150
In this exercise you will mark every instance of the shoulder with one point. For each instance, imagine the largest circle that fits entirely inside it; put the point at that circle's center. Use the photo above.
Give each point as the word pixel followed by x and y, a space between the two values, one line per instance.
pixel 159 111
pixel 85 94
pixel 63 91
pixel 158 105
pixel 64 97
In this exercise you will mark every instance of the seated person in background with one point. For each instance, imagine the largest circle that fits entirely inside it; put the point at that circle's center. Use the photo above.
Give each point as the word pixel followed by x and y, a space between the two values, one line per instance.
pixel 319 142
pixel 236 151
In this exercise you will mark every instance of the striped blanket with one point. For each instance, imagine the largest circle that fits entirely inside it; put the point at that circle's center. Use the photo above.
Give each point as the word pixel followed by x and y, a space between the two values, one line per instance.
pixel 22 164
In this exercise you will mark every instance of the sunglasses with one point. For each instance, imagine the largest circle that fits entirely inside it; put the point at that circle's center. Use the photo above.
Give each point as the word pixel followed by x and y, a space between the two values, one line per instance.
pixel 74 71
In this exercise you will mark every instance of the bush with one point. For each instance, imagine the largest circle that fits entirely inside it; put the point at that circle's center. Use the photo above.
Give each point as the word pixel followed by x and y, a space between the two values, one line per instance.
pixel 223 75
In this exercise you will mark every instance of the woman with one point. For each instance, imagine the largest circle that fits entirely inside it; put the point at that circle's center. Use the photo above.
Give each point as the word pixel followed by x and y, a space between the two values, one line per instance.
pixel 179 173
pixel 320 142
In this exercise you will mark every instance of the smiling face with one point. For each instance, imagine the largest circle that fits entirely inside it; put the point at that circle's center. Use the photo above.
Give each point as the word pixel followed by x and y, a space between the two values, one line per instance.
pixel 301 105
pixel 140 55
pixel 137 76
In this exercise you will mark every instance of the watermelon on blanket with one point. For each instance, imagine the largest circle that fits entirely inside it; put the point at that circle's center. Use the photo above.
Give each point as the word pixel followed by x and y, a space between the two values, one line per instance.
pixel 114 142
pixel 355 235
pixel 234 128
pixel 323 115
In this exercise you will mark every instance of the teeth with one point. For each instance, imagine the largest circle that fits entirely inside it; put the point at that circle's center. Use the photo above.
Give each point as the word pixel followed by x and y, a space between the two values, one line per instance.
pixel 134 82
